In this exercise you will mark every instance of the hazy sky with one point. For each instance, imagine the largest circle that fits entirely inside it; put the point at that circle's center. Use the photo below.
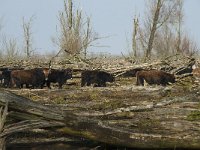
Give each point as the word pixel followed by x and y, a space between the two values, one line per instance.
pixel 112 18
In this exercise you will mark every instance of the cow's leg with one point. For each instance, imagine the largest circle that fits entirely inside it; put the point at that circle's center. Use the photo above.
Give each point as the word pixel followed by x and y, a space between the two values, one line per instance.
pixel 88 83
pixel 140 81
pixel 27 86
pixel 42 85
pixel 48 85
pixel 82 82
pixel 60 85
pixel 103 84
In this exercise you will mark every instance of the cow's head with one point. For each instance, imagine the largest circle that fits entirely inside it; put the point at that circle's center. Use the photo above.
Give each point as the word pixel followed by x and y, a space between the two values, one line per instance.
pixel 46 72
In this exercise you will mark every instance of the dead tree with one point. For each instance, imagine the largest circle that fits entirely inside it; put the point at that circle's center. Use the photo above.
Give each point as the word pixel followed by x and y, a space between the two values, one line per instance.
pixel 27 37
pixel 153 28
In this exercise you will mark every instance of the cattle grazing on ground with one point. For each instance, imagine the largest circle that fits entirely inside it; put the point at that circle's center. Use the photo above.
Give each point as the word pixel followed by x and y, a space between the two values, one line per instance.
pixel 58 76
pixel 154 77
pixel 34 77
pixel 96 77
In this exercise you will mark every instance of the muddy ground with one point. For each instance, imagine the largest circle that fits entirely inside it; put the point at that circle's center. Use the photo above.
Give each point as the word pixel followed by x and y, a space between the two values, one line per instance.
pixel 171 112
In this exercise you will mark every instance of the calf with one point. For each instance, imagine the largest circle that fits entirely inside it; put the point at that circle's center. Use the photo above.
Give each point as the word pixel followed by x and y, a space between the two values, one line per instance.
pixel 58 76
pixel 96 77
pixel 154 77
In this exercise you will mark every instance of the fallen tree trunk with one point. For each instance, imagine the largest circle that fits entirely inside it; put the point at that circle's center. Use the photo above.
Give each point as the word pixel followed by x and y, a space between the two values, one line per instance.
pixel 33 115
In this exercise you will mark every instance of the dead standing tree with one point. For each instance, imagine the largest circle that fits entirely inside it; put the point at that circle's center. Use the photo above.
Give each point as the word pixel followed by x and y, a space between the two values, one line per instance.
pixel 153 28
pixel 27 37
pixel 11 49
pixel 76 33
pixel 160 14
pixel 134 38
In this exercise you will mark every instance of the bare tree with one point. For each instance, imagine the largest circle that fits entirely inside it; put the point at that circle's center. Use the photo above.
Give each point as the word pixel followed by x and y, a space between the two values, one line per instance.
pixel 1 37
pixel 164 42
pixel 179 16
pixel 11 50
pixel 156 36
pixel 153 28
pixel 134 37
pixel 28 36
pixel 76 32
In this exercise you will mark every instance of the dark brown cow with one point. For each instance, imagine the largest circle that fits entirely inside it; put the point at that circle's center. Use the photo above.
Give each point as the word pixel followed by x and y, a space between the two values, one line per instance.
pixel 96 77
pixel 154 77
pixel 6 75
pixel 34 77
pixel 58 76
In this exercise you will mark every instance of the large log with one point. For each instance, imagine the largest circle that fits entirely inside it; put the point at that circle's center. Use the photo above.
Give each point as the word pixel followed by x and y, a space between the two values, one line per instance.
pixel 86 127
pixel 21 104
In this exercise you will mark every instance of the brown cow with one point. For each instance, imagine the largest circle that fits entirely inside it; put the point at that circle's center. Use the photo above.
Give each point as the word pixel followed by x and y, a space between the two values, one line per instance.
pixel 34 77
pixel 154 77
pixel 6 75
pixel 58 76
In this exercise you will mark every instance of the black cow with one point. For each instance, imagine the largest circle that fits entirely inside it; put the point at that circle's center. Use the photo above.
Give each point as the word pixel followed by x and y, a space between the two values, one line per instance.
pixel 6 75
pixel 58 76
pixel 96 77
pixel 1 75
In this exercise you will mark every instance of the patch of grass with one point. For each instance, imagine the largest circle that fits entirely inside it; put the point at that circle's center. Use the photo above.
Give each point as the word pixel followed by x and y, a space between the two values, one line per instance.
pixel 194 116
pixel 126 81
pixel 59 100
pixel 108 104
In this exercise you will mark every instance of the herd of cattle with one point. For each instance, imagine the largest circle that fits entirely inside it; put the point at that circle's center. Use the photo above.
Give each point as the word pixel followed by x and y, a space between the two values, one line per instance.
pixel 34 78
pixel 40 77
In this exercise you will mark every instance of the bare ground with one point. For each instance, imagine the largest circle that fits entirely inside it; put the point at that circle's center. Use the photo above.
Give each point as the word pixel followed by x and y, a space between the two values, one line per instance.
pixel 152 111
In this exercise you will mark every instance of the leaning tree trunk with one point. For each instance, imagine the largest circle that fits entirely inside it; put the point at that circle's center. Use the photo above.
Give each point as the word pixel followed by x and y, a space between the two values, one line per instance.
pixel 153 29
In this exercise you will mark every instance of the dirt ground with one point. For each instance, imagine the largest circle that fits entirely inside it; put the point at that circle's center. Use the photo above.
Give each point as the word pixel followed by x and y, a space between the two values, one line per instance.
pixel 169 111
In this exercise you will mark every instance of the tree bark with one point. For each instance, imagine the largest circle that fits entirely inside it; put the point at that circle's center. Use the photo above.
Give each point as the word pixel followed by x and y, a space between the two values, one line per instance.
pixel 153 29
